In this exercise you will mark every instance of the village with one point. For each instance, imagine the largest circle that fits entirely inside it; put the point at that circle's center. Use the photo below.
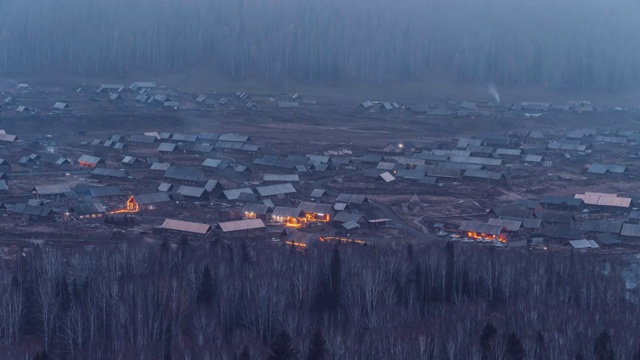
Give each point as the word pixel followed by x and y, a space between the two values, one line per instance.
pixel 80 183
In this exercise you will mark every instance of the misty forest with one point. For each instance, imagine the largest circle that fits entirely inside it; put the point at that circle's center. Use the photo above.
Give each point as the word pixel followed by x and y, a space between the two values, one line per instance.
pixel 259 301
pixel 565 44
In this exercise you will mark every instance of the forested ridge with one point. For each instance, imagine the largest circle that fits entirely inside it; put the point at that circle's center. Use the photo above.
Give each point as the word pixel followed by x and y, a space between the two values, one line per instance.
pixel 261 301
pixel 574 44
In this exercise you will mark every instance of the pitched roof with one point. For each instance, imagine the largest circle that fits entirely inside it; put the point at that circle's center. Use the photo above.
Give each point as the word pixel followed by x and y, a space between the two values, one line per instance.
pixel 186 226
pixel 483 174
pixel 184 137
pixel 481 228
pixel 191 191
pixel 160 166
pixel 602 199
pixel 240 225
pixel 315 208
pixel 476 160
pixel 562 232
pixel 343 217
pixel 387 177
pixel 152 198
pixel 351 198
pixel 52 189
pixel 597 168
pixel 510 225
pixel 316 193
pixel 583 244
pixel 281 177
pixel 279 189
pixel 560 200
pixel 104 191
pixel 258 209
pixel 88 159
pixel 442 172
pixel 233 194
pixel 286 212
pixel 234 137
pixel 602 226
pixel 556 217
pixel 212 163
pixel 533 158
pixel 88 209
pixel 185 174
pixel 167 147
pixel 632 230
pixel 114 173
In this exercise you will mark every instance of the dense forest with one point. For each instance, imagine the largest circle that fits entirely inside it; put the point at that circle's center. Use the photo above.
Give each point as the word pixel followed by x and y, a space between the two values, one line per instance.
pixel 570 44
pixel 262 301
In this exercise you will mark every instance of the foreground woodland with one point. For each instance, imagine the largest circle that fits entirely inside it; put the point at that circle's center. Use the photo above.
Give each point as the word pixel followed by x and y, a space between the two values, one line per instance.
pixel 569 44
pixel 243 300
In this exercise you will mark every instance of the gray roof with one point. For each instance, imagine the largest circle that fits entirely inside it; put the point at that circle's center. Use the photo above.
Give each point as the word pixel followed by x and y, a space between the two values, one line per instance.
pixel 281 177
pixel 631 230
pixel 318 158
pixel 315 208
pixel 104 191
pixel 533 158
pixel 483 174
pixel 208 136
pixel 563 232
pixel 212 185
pixel 61 106
pixel 185 174
pixel 481 228
pixel 258 209
pixel 114 173
pixel 464 143
pixel 24 209
pixel 597 168
pixel 343 217
pixel 583 244
pixel 461 166
pixel 608 239
pixel 241 225
pixel 184 137
pixel 476 160
pixel 613 227
pixel 90 159
pixel 141 138
pixel 556 217
pixel 234 137
pixel 510 225
pixel 160 166
pixel 88 209
pixel 566 146
pixel 288 104
pixel 482 149
pixel 316 193
pixel 164 187
pixel 527 223
pixel 413 174
pixel 350 225
pixel 152 198
pixel 351 198
pixel 191 191
pixel 279 189
pixel 286 212
pixel 52 189
pixel 560 200
pixel 441 172
pixel 233 194
pixel 509 152
pixel 212 163
pixel 167 147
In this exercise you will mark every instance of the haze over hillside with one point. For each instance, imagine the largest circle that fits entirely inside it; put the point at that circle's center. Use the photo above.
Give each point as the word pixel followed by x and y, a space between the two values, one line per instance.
pixel 569 44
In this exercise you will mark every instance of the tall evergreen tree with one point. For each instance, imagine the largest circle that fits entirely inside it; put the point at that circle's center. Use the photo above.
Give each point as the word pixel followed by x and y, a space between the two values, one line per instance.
pixel 602 348
pixel 205 291
pixel 514 350
pixel 486 336
pixel 281 348
pixel 335 280
pixel 317 350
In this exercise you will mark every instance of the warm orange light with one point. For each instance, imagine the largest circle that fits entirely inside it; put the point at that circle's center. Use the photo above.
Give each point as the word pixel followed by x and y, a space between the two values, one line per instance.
pixel 131 207
pixel 477 236
pixel 341 239
pixel 295 244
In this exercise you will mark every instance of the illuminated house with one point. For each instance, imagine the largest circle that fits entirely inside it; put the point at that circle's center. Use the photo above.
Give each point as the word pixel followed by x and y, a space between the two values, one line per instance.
pixel 90 161
pixel 478 230
pixel 316 212
pixel 255 211
pixel 288 216
pixel 151 201
pixel 87 211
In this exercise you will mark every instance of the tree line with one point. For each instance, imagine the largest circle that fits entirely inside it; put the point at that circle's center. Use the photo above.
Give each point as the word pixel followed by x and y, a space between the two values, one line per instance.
pixel 258 300
pixel 574 44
